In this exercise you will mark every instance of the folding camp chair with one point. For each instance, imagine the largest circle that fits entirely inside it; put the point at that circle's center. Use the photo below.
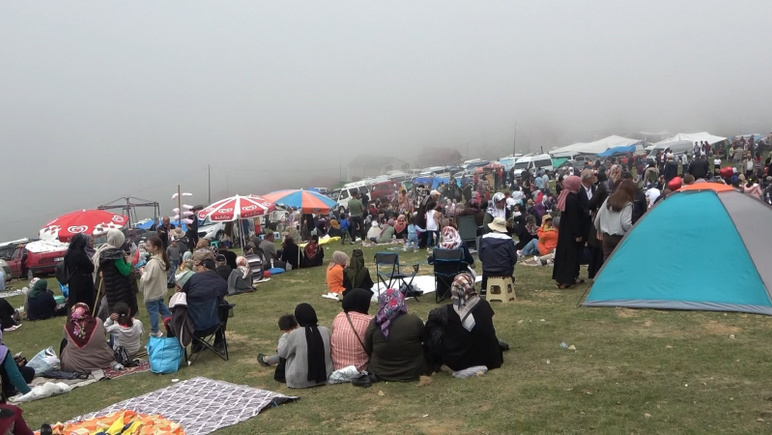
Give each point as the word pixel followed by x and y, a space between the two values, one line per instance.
pixel 467 229
pixel 387 266
pixel 447 264
pixel 207 338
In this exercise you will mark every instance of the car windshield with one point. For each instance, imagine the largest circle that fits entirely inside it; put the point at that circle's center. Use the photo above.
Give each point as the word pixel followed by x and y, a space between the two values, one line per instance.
pixel 521 165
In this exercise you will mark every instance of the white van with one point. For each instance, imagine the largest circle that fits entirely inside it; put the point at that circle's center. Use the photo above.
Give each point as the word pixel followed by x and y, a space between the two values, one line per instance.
pixel 344 194
pixel 532 163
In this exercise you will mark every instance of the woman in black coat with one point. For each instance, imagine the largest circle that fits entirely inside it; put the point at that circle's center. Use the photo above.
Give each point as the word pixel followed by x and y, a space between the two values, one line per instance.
pixel 461 334
pixel 570 235
pixel 116 272
pixel 81 270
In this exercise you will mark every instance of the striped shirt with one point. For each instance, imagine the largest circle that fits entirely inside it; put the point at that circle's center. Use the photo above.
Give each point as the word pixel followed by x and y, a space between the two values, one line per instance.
pixel 345 348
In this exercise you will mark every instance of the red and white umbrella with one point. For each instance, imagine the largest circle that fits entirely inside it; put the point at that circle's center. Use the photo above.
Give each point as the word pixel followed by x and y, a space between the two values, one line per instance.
pixel 236 207
pixel 82 221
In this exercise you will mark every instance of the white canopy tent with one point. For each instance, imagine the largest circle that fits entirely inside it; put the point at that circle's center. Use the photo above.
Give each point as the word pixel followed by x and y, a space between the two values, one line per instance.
pixel 702 136
pixel 596 147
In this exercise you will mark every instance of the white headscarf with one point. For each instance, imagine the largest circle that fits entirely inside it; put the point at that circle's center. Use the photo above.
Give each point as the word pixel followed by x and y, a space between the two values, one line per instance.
pixel 495 211
pixel 115 239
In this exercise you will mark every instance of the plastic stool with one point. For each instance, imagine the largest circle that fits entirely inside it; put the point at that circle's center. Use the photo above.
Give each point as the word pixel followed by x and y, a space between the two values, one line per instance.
pixel 500 288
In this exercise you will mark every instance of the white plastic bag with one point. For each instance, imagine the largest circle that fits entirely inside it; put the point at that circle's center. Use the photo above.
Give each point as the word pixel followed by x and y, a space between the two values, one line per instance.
pixel 44 361
pixel 343 375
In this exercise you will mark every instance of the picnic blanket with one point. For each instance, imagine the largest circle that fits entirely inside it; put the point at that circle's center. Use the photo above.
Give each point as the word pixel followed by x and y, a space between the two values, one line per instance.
pixel 425 283
pixel 142 367
pixel 11 293
pixel 44 387
pixel 116 422
pixel 201 405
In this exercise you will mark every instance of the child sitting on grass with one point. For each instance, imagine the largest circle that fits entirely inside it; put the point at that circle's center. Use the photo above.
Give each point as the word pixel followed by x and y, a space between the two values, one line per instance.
pixel 287 324
pixel 127 332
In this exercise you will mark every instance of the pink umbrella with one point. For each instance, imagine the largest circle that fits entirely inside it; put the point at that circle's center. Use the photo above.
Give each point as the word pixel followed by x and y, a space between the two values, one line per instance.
pixel 82 221
pixel 236 207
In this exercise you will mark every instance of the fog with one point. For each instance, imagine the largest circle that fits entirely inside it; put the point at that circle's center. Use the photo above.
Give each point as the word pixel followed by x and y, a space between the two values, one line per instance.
pixel 100 100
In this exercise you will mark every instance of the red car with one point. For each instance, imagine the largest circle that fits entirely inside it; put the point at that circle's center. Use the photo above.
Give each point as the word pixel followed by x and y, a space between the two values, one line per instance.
pixel 35 258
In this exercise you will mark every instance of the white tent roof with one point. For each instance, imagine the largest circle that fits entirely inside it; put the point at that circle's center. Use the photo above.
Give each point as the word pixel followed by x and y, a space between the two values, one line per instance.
pixel 694 137
pixel 596 147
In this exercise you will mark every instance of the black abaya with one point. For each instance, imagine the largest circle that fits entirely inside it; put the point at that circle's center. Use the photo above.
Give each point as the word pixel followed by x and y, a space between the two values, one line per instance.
pixel 568 251
pixel 81 279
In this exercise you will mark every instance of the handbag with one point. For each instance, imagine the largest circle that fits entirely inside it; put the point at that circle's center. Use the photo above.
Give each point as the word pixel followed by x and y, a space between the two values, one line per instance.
pixel 165 354
pixel 355 332
pixel 123 358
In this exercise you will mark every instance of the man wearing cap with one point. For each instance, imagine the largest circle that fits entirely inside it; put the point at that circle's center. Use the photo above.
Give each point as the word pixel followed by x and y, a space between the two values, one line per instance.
pixel 498 254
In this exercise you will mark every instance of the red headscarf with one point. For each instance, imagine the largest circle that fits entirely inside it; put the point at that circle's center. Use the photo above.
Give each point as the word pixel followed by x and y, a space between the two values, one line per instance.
pixel 81 325
pixel 570 185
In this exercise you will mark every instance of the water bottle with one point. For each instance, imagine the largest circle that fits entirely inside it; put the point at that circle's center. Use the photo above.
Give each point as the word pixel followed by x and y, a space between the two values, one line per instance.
pixel 564 345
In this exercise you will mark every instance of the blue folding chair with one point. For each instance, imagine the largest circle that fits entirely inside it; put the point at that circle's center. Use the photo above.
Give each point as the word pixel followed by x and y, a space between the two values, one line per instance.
pixel 447 264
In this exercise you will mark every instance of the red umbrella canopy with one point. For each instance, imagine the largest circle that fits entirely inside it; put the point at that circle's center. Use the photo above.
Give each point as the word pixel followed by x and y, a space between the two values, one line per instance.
pixel 82 221
pixel 237 207
pixel 308 201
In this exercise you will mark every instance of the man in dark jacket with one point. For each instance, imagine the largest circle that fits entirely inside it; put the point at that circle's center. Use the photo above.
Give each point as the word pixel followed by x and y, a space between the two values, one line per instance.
pixel 164 230
pixel 699 168
pixel 203 290
pixel 497 251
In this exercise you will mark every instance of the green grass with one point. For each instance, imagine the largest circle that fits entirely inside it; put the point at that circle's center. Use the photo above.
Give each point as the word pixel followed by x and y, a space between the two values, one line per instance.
pixel 633 370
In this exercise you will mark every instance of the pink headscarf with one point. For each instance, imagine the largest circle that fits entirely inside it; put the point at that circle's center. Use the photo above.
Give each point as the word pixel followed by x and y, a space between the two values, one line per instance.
pixel 570 185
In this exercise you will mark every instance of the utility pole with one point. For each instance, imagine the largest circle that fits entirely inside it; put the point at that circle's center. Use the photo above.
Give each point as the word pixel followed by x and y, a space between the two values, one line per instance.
pixel 514 142
pixel 209 182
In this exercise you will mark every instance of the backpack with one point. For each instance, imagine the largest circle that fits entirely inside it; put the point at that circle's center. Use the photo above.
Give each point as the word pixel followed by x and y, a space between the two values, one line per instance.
pixel 62 273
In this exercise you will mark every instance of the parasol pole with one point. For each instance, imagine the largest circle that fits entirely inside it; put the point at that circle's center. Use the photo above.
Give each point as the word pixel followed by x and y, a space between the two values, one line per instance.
pixel 179 207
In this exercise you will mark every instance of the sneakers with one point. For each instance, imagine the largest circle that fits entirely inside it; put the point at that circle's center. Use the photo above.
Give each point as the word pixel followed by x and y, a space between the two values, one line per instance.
pixel 157 334
pixel 330 295
pixel 12 328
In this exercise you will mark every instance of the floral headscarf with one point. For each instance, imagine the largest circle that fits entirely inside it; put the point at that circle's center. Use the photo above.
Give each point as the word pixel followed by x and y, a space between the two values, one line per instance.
pixel 81 325
pixel 464 297
pixel 391 304
pixel 450 238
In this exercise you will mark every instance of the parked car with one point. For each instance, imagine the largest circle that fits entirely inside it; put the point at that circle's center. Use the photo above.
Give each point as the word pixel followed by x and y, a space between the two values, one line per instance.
pixel 532 163
pixel 211 230
pixel 36 258
pixel 6 269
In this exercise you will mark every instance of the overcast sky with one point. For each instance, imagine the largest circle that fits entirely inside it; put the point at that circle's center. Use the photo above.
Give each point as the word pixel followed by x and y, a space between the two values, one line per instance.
pixel 100 100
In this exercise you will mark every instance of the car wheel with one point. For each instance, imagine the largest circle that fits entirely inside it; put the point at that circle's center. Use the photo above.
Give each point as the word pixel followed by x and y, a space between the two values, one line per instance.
pixel 30 275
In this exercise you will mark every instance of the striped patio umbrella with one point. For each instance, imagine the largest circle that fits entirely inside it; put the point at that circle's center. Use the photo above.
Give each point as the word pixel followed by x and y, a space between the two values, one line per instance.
pixel 307 201
pixel 237 207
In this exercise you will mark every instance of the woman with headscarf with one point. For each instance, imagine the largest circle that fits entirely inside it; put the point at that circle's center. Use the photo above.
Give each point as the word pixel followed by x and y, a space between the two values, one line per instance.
pixel 387 232
pixel 313 253
pixel 348 331
pixel 451 239
pixel 112 264
pixel 468 337
pixel 334 276
pixel 15 378
pixel 86 348
pixel 81 270
pixel 307 351
pixel 356 275
pixel 497 207
pixel 570 235
pixel 400 227
pixel 40 303
pixel 240 279
pixel 394 340
pixel 290 252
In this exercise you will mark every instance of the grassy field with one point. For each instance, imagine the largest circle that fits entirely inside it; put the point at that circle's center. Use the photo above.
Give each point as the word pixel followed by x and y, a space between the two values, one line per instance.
pixel 633 370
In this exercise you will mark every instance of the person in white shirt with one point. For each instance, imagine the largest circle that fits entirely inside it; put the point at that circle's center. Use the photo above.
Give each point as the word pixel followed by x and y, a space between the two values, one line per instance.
pixel 717 166
pixel 125 330
pixel 652 193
